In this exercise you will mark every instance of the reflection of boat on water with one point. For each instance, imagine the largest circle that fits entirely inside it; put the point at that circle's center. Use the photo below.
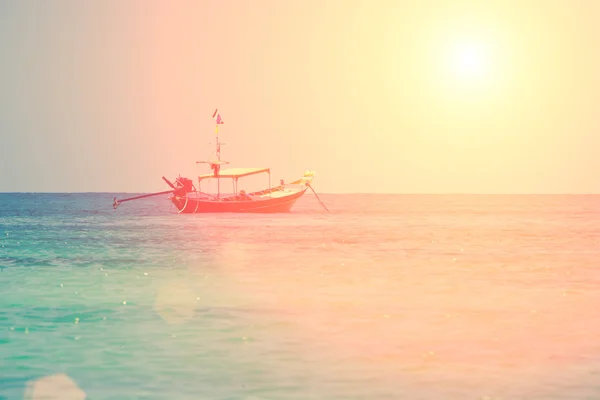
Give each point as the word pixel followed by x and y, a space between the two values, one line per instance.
pixel 189 199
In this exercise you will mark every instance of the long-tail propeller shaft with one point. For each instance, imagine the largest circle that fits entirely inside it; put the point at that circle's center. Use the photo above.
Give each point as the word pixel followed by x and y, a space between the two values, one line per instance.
pixel 116 202
pixel 174 189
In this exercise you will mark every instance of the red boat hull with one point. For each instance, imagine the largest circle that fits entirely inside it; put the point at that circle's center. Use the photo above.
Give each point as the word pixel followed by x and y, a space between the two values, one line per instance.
pixel 279 204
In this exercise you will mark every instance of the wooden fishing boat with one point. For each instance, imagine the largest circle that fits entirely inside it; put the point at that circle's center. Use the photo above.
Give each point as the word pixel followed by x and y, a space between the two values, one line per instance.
pixel 190 199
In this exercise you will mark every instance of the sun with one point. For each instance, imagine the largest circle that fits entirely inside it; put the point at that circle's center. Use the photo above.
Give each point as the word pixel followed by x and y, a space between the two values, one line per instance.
pixel 470 61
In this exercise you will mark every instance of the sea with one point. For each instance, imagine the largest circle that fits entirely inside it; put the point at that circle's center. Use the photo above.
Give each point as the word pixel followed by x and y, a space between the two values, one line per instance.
pixel 384 297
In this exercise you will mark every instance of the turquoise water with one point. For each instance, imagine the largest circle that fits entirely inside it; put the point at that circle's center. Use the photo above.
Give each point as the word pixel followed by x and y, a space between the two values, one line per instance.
pixel 387 297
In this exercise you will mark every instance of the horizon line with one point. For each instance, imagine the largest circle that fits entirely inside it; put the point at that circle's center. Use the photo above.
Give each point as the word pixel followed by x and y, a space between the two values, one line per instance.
pixel 350 193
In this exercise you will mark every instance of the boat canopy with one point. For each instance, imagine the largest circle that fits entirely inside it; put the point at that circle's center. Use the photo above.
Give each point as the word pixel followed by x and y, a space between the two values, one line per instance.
pixel 236 173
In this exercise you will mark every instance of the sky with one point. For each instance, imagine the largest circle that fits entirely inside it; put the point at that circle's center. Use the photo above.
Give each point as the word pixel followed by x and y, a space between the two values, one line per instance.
pixel 375 96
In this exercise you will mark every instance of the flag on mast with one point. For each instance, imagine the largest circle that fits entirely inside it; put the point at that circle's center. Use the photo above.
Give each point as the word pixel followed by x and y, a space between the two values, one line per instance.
pixel 217 117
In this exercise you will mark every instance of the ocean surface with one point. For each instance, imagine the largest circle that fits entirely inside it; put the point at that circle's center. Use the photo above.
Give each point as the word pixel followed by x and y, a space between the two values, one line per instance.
pixel 386 297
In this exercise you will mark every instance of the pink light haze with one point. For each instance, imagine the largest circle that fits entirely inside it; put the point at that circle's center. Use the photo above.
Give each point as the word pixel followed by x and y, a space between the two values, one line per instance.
pixel 411 97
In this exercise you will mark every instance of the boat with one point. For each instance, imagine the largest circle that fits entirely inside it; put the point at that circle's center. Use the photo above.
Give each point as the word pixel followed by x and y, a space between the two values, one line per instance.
pixel 190 199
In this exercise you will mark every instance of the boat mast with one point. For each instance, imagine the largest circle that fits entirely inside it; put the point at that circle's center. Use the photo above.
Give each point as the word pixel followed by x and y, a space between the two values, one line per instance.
pixel 218 166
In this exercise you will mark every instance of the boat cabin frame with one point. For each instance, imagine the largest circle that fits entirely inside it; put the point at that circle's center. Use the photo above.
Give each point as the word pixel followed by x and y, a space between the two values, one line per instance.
pixel 234 174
